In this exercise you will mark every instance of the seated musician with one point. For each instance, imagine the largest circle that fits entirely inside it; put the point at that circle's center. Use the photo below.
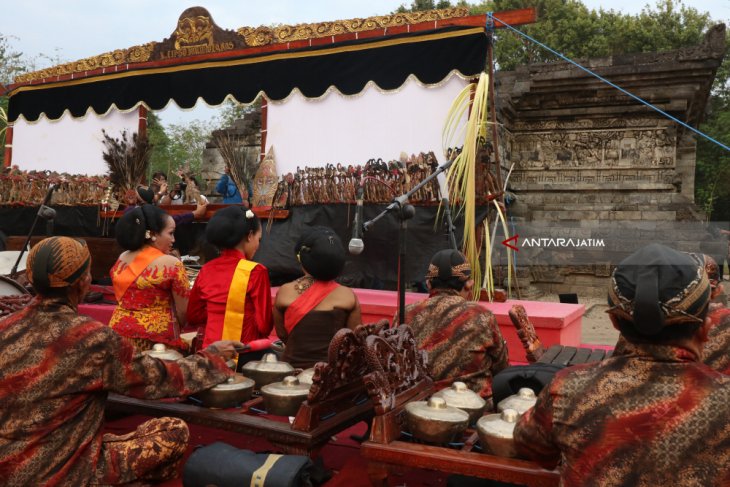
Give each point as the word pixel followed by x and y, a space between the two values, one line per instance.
pixel 56 368
pixel 231 296
pixel 310 310
pixel 653 415
pixel 716 352
pixel 150 285
pixel 462 339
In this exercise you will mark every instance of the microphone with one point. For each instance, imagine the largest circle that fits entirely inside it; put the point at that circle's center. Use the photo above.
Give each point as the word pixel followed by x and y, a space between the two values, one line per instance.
pixel 356 245
pixel 47 213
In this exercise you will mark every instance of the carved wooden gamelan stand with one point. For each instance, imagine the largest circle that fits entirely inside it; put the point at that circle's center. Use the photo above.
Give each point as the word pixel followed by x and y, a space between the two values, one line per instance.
pixel 337 400
pixel 398 376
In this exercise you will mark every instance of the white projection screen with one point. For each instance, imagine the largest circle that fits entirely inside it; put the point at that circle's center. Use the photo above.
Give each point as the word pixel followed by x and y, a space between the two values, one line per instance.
pixel 351 130
pixel 69 145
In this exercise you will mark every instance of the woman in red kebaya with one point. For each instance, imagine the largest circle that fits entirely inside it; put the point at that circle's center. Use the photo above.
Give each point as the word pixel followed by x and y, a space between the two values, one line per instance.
pixel 232 294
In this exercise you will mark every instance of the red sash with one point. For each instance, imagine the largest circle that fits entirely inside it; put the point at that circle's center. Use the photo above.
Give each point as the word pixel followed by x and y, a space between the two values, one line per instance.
pixel 306 302
pixel 129 274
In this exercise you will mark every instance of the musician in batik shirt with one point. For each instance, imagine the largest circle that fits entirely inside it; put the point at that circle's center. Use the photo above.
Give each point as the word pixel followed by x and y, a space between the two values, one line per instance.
pixel 654 415
pixel 56 369
pixel 462 338
pixel 716 352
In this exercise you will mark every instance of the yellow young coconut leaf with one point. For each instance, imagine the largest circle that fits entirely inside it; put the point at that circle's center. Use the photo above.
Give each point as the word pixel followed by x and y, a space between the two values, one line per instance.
pixel 488 282
pixel 503 221
pixel 3 120
pixel 461 177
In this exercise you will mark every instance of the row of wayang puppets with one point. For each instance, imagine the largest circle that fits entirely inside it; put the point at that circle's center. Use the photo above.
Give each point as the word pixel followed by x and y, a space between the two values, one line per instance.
pixel 29 188
pixel 381 182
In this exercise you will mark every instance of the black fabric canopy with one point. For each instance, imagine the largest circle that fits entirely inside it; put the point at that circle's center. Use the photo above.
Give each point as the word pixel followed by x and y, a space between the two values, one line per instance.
pixel 348 66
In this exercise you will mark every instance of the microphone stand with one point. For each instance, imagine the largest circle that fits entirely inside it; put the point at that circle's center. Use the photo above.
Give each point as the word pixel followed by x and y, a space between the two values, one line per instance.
pixel 449 224
pixel 46 200
pixel 405 212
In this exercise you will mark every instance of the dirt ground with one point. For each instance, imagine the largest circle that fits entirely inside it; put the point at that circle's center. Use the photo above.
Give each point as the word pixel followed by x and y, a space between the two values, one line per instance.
pixel 597 327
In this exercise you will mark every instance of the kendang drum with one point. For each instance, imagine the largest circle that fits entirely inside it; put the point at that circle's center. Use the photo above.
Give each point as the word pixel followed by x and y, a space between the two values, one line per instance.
pixel 8 287
pixel 8 259
pixel 13 296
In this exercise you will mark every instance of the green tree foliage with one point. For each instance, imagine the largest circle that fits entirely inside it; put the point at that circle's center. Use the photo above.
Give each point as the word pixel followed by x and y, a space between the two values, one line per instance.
pixel 232 111
pixel 187 142
pixel 578 32
pixel 11 65
pixel 160 159
pixel 12 62
pixel 712 178
pixel 417 5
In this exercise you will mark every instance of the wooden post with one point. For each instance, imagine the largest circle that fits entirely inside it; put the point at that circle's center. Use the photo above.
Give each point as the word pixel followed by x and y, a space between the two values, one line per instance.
pixel 264 124
pixel 142 125
pixel 8 157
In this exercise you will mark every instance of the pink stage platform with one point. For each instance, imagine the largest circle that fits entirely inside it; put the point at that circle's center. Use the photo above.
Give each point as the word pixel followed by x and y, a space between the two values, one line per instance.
pixel 555 323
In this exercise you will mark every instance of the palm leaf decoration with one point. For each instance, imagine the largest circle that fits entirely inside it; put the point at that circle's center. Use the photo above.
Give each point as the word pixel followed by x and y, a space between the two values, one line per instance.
pixel 467 122
pixel 3 122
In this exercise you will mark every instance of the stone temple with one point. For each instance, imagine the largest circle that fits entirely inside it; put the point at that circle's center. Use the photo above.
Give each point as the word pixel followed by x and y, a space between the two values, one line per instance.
pixel 587 156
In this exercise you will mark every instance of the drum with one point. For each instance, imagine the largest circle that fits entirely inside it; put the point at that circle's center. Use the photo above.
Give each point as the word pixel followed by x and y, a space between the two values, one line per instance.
pixel 7 261
pixel 8 287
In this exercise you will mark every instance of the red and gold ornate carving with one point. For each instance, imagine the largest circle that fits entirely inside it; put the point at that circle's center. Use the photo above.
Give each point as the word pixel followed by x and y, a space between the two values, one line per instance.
pixel 526 332
pixel 262 36
pixel 196 33
pixel 135 54
pixel 396 365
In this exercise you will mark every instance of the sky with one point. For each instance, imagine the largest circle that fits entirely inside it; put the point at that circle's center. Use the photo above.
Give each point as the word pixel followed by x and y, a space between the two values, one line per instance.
pixel 75 29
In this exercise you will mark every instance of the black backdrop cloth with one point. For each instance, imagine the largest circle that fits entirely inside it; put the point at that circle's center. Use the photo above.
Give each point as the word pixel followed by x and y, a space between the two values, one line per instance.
pixel 348 66
pixel 375 268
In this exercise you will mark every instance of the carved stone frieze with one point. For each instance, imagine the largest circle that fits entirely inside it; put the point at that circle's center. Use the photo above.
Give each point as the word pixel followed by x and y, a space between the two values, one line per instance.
pixel 623 148
pixel 659 176
pixel 586 124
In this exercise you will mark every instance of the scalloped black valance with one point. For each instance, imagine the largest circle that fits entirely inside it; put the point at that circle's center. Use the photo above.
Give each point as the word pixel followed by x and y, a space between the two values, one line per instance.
pixel 348 66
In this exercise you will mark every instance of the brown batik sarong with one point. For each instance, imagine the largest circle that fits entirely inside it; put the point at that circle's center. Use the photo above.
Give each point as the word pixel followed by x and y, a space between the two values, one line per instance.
pixel 152 452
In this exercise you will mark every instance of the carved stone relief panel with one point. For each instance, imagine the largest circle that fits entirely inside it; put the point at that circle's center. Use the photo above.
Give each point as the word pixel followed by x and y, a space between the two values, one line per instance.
pixel 570 149
pixel 573 176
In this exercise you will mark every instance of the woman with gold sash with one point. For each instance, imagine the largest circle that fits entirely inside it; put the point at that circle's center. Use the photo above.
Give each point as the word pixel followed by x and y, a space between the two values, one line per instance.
pixel 150 285
pixel 310 310
pixel 232 294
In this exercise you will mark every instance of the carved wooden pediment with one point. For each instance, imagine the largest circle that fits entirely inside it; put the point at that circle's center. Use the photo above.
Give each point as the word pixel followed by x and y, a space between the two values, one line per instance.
pixel 396 365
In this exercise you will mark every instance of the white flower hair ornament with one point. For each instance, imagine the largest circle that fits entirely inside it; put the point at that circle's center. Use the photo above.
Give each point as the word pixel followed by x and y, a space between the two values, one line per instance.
pixel 147 235
pixel 249 214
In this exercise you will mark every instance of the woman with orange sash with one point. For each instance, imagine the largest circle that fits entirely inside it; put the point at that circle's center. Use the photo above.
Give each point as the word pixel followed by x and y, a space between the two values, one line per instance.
pixel 232 294
pixel 150 285
pixel 310 310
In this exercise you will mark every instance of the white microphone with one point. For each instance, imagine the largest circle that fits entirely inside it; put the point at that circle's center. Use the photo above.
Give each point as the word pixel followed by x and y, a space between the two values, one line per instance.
pixel 356 245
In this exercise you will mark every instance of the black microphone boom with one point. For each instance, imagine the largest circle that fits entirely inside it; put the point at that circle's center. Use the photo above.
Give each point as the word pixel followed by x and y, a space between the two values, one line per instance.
pixel 44 212
pixel 356 245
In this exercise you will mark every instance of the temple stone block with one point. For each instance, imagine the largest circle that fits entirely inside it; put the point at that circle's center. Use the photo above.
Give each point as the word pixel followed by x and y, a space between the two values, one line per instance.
pixel 583 151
